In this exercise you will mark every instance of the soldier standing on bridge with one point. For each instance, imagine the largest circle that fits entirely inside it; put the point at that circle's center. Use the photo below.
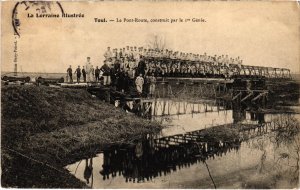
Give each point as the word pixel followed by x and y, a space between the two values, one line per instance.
pixel 108 54
pixel 141 67
pixel 139 82
pixel 152 81
pixel 132 68
pixel 69 74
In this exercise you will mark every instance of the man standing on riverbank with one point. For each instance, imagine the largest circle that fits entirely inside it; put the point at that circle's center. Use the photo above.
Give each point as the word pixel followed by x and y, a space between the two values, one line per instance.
pixel 106 74
pixel 78 72
pixel 84 74
pixel 92 72
pixel 69 74
pixel 88 69
pixel 97 74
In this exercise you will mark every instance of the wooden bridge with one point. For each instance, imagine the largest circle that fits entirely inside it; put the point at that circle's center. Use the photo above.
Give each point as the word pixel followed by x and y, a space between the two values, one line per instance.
pixel 186 95
pixel 213 70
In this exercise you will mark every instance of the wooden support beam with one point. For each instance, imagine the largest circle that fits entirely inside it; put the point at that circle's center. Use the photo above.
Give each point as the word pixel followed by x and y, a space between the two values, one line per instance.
pixel 258 96
pixel 239 94
pixel 246 97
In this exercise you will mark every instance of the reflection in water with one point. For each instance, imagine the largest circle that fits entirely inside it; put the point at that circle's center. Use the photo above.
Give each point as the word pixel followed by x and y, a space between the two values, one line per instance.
pixel 144 161
pixel 88 170
pixel 150 157
pixel 152 108
pixel 182 116
pixel 197 157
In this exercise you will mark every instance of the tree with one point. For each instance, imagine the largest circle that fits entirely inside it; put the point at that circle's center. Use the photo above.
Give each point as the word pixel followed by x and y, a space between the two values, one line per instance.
pixel 156 42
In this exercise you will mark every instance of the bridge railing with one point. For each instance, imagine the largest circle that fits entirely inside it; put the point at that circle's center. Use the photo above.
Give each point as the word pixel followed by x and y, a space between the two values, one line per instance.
pixel 212 68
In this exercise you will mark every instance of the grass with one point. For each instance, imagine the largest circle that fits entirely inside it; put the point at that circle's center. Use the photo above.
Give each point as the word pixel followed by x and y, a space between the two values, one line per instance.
pixel 57 126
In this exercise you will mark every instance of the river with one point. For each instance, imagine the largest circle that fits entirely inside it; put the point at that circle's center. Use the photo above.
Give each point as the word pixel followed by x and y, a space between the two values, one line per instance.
pixel 187 154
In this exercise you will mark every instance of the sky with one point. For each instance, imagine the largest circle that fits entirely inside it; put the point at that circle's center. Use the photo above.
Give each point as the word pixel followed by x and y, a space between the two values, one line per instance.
pixel 261 33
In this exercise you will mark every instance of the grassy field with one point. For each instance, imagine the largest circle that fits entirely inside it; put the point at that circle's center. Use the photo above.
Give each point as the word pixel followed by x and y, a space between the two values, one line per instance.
pixel 46 128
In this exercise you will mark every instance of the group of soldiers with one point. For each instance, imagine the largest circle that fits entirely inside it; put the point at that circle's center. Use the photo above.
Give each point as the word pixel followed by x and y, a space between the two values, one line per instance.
pixel 134 53
pixel 168 63
pixel 112 74
pixel 137 65
pixel 88 72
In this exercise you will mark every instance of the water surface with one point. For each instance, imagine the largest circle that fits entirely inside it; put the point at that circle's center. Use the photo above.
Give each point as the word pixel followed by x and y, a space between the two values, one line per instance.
pixel 181 157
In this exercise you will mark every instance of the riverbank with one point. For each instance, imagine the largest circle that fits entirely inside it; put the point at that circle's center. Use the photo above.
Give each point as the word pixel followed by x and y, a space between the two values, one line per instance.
pixel 47 128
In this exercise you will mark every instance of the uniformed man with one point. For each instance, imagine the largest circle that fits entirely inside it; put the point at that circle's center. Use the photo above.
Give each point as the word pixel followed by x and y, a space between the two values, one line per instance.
pixel 132 67
pixel 190 57
pixel 152 81
pixel 114 55
pixel 197 58
pixel 106 73
pixel 69 74
pixel 226 60
pixel 125 64
pixel 145 53
pixel 163 68
pixel 117 66
pixel 205 57
pixel 97 74
pixel 166 53
pixel 120 54
pixel 141 67
pixel 127 51
pixel 88 69
pixel 150 53
pixel 108 53
pixel 131 53
pixel 222 59
pixel 109 62
pixel 84 74
pixel 92 73
pixel 201 59
pixel 210 59
pixel 139 82
pixel 136 56
pixel 78 72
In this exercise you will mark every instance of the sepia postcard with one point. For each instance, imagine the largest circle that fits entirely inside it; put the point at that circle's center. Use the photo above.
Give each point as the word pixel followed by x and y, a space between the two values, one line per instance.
pixel 150 94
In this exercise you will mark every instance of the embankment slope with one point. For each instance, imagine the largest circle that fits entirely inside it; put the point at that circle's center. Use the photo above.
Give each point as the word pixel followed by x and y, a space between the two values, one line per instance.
pixel 56 126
